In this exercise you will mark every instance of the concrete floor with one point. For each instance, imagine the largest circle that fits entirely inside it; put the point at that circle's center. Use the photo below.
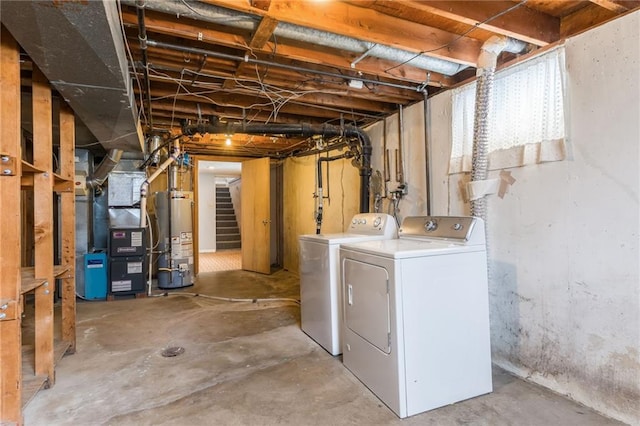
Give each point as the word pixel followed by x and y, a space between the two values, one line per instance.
pixel 243 364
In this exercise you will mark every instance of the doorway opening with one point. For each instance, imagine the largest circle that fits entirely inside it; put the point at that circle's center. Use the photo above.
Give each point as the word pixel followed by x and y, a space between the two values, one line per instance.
pixel 220 197
pixel 219 190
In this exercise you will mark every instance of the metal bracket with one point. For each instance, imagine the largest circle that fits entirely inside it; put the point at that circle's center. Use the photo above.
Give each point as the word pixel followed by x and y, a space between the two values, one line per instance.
pixel 423 86
pixel 8 165
pixel 9 310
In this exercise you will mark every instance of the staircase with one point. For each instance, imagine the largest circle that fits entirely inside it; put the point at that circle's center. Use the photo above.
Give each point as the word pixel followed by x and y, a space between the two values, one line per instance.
pixel 227 232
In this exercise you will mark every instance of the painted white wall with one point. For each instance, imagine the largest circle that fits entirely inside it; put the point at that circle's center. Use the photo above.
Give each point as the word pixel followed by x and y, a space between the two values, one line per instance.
pixel 413 147
pixel 564 242
pixel 207 212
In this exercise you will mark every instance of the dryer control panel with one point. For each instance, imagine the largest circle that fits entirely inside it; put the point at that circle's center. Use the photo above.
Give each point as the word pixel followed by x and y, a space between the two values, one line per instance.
pixel 373 224
pixel 463 229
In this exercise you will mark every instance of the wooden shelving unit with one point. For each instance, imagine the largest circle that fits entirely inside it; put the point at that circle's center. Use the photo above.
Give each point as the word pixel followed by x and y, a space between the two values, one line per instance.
pixel 26 368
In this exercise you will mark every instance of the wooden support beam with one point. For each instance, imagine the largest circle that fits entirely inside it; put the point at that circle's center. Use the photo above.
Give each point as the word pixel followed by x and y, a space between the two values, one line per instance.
pixel 68 227
pixel 261 4
pixel 312 106
pixel 10 330
pixel 263 32
pixel 166 25
pixel 260 37
pixel 358 22
pixel 584 18
pixel 43 226
pixel 521 23
pixel 610 5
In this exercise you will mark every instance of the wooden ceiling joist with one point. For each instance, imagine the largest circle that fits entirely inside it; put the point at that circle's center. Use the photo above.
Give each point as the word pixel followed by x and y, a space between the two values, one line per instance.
pixel 500 17
pixel 368 25
pixel 253 72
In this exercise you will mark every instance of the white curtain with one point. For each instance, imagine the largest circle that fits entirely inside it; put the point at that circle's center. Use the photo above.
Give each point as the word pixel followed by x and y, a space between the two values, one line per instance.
pixel 527 116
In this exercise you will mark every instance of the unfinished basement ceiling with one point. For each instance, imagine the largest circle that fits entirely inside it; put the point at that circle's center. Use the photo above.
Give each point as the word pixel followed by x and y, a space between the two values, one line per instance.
pixel 271 61
pixel 305 61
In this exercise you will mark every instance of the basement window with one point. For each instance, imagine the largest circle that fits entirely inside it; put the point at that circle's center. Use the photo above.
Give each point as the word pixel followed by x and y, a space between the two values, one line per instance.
pixel 527 120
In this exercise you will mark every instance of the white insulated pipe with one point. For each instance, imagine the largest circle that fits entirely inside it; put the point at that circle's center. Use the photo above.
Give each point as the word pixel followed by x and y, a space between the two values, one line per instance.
pixel 145 185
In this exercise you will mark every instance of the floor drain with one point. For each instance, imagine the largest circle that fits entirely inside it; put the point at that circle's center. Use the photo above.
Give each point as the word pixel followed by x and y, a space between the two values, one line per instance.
pixel 173 351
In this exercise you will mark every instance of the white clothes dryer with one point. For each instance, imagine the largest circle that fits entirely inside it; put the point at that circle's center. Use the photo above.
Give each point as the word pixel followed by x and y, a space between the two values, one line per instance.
pixel 416 314
pixel 320 295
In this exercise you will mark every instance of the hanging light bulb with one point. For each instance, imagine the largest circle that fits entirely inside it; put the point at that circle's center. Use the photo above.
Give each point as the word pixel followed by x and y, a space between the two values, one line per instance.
pixel 228 141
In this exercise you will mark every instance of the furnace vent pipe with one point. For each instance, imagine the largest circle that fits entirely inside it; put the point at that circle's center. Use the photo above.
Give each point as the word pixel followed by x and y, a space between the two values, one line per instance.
pixel 105 167
pixel 305 130
pixel 487 62
pixel 145 185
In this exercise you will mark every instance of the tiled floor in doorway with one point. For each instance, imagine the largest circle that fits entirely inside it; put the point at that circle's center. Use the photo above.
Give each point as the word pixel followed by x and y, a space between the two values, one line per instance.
pixel 222 260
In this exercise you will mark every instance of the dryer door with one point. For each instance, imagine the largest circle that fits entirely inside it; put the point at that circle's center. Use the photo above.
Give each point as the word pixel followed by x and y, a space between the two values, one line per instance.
pixel 366 298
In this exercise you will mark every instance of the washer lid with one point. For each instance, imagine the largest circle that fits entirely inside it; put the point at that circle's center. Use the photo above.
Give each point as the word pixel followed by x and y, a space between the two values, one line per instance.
pixel 340 238
pixel 408 248
pixel 373 225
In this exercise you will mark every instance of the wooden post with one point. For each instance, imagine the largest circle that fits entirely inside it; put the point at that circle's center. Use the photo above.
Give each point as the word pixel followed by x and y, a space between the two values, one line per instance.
pixel 68 228
pixel 10 333
pixel 43 220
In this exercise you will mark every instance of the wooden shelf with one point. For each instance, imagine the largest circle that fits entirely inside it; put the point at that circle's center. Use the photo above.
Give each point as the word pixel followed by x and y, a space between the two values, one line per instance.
pixel 62 184
pixel 29 281
pixel 30 168
pixel 30 387
pixel 32 384
pixel 60 270
pixel 42 198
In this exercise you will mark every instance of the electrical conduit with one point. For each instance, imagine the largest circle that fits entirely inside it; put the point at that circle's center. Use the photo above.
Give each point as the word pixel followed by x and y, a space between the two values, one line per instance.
pixel 347 154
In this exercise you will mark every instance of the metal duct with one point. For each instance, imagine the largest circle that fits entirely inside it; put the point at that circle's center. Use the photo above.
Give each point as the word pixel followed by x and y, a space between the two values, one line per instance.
pixel 325 130
pixel 487 62
pixel 79 48
pixel 108 163
pixel 209 13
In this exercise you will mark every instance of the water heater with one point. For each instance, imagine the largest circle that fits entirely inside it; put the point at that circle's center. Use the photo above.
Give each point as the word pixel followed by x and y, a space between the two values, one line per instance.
pixel 174 212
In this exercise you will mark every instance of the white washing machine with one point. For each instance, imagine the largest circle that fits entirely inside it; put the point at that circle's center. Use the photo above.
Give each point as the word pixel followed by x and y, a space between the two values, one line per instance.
pixel 320 295
pixel 416 314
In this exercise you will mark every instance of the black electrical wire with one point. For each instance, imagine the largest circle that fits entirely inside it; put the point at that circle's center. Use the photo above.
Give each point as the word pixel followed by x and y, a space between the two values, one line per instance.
pixel 455 40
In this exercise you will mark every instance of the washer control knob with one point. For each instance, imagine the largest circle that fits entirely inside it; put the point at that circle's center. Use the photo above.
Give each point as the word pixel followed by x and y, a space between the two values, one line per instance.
pixel 430 225
pixel 364 221
pixel 457 226
pixel 354 221
pixel 377 221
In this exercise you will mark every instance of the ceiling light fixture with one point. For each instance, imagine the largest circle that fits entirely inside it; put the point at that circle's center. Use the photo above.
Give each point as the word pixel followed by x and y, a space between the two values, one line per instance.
pixel 227 141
